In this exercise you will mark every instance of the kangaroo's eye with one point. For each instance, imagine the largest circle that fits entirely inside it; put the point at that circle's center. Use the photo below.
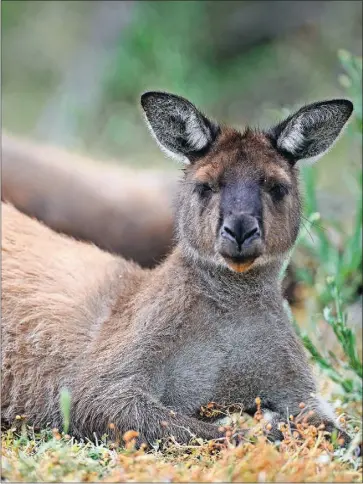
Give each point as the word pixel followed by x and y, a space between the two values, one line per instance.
pixel 204 189
pixel 278 191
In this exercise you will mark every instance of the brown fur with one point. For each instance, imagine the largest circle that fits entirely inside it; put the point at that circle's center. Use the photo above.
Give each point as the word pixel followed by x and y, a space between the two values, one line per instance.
pixel 249 157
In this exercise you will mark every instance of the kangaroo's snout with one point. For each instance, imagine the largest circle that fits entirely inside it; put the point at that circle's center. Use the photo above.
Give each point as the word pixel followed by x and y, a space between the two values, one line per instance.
pixel 240 237
pixel 241 230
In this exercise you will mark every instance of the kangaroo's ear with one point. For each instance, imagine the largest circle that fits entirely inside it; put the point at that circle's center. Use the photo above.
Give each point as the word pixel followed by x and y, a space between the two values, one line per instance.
pixel 311 131
pixel 180 130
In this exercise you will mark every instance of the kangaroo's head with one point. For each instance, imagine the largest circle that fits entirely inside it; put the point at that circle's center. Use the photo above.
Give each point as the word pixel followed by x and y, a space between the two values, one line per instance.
pixel 239 203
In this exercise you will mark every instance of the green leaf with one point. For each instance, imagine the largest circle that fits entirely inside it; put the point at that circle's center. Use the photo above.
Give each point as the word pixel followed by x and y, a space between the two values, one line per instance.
pixel 65 406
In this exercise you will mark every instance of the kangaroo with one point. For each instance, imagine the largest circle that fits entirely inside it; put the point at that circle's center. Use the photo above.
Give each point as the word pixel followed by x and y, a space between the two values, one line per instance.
pixel 144 349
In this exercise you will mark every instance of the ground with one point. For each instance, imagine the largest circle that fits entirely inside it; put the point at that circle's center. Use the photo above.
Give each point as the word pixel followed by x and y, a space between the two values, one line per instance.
pixel 306 455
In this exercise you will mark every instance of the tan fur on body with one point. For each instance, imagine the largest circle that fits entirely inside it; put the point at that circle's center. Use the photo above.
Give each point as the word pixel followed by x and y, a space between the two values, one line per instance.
pixel 66 289
pixel 145 349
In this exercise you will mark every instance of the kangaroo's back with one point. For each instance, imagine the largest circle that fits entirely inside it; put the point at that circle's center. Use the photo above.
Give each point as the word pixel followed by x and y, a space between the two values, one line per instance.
pixel 121 210
pixel 55 291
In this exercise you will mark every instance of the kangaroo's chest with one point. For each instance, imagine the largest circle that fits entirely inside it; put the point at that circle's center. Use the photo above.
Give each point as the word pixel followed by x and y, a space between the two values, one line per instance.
pixel 228 363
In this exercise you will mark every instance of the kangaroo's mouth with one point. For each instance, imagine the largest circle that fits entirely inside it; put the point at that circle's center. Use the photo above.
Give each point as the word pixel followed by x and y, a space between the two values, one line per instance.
pixel 240 259
pixel 239 264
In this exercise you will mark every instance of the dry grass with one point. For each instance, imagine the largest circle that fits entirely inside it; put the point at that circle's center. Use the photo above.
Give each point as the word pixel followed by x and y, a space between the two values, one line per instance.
pixel 308 455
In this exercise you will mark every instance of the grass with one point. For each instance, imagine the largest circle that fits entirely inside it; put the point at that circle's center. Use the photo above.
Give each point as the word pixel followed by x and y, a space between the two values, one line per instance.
pixel 332 271
pixel 53 456
pixel 335 266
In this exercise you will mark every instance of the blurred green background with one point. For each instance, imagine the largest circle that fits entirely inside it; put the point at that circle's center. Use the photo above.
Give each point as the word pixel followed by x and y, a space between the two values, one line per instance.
pixel 73 71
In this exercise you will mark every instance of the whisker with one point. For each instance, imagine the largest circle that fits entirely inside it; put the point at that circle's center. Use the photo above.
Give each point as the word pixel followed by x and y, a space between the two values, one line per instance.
pixel 308 231
pixel 314 223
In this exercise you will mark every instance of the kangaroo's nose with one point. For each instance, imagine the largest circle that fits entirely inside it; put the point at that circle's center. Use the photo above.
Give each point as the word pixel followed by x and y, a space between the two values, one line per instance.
pixel 241 230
